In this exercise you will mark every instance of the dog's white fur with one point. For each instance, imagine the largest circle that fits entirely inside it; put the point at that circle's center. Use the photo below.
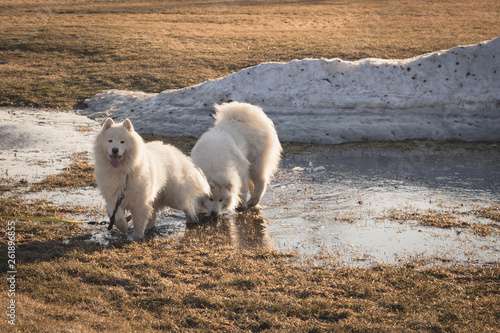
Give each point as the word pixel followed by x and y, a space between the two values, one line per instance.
pixel 159 175
pixel 239 154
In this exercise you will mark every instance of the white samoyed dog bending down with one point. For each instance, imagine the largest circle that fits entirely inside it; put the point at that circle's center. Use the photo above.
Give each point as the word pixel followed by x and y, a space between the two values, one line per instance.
pixel 239 154
pixel 149 175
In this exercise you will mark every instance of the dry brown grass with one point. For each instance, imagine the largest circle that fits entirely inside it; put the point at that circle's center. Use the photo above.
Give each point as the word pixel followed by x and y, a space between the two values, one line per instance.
pixel 58 53
pixel 184 143
pixel 452 219
pixel 78 174
pixel 200 283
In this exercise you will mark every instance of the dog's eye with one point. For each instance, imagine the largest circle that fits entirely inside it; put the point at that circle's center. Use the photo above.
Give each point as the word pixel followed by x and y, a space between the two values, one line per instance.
pixel 110 141
pixel 211 199
pixel 122 141
pixel 220 200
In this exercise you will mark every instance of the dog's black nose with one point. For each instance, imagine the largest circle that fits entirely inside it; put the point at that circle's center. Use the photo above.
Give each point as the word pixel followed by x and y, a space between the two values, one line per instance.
pixel 214 213
pixel 114 151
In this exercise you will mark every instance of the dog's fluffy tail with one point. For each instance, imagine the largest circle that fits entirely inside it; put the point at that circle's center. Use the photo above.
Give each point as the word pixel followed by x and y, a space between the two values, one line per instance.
pixel 261 126
pixel 243 112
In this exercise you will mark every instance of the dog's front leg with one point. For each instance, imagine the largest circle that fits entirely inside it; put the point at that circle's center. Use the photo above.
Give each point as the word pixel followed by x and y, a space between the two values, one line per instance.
pixel 140 218
pixel 258 191
pixel 191 216
pixel 152 220
pixel 245 187
pixel 120 220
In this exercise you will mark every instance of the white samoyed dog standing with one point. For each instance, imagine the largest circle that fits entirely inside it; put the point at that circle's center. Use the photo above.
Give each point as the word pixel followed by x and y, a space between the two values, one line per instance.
pixel 149 175
pixel 239 154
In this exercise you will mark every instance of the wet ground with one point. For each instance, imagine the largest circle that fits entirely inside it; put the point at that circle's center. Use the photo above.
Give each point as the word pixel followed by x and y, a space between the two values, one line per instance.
pixel 356 204
pixel 367 203
pixel 347 201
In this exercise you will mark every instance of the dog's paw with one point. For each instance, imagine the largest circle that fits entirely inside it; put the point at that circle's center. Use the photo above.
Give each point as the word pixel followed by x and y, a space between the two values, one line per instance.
pixel 192 220
pixel 242 206
pixel 191 216
pixel 122 225
pixel 253 202
pixel 150 225
pixel 137 236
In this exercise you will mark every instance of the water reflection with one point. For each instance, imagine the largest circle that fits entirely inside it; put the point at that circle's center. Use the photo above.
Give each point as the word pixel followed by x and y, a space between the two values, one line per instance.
pixel 339 200
pixel 244 230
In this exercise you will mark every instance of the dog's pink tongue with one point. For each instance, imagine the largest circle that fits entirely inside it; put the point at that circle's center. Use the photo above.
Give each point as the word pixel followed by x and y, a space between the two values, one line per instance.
pixel 115 161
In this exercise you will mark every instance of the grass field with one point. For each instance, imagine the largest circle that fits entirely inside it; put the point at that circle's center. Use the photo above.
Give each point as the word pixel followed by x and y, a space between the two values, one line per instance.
pixel 200 282
pixel 55 54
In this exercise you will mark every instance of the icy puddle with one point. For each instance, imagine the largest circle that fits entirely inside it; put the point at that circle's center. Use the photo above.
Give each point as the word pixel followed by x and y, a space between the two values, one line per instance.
pixel 361 204
pixel 371 203
pixel 357 204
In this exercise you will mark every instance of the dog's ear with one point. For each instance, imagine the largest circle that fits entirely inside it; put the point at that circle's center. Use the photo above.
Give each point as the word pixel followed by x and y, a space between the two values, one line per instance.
pixel 107 124
pixel 128 125
pixel 212 185
pixel 228 186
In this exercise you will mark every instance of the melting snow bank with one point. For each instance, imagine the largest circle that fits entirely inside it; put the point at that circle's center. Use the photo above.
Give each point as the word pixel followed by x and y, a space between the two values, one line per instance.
pixel 452 94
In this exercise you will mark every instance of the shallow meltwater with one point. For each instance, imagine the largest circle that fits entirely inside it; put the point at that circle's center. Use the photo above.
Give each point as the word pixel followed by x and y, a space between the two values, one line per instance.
pixel 374 203
pixel 367 203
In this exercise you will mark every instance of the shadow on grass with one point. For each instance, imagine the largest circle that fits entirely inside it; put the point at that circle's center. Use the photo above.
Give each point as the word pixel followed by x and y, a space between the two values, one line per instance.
pixel 43 242
pixel 245 230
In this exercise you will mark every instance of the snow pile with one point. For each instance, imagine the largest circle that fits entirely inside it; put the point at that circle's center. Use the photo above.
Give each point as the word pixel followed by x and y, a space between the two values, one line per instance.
pixel 452 94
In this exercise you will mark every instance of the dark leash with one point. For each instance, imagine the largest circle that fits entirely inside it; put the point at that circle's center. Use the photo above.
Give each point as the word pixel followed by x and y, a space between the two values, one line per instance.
pixel 118 203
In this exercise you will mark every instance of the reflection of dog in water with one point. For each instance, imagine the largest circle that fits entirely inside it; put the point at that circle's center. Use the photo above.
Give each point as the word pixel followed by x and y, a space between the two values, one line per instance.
pixel 244 230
